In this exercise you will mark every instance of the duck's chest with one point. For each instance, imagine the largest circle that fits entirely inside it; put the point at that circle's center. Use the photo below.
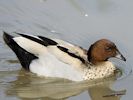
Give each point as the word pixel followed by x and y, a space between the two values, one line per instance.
pixel 100 71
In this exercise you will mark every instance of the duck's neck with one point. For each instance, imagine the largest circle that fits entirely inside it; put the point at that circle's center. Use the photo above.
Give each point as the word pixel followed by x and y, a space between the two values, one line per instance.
pixel 96 63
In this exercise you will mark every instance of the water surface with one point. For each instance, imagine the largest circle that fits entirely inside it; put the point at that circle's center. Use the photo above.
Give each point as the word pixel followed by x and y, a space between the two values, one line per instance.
pixel 80 22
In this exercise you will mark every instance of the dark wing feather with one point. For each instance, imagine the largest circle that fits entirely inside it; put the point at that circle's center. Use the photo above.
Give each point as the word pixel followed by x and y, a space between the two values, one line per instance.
pixel 34 39
pixel 71 54
pixel 42 40
pixel 24 57
pixel 48 41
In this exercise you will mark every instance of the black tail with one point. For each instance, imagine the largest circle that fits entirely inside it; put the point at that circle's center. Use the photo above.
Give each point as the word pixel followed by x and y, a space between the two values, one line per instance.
pixel 24 57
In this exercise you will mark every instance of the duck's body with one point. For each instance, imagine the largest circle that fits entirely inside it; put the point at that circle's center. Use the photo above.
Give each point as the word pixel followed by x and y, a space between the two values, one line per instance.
pixel 57 58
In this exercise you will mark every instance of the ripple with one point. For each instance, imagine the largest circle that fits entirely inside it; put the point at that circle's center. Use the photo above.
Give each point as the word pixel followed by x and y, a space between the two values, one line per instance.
pixel 125 72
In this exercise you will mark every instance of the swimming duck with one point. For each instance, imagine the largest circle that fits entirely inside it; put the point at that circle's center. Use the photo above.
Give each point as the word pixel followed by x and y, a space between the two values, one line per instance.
pixel 57 58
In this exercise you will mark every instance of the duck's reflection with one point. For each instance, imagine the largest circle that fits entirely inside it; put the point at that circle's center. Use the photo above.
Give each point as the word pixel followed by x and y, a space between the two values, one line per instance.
pixel 31 87
pixel 102 92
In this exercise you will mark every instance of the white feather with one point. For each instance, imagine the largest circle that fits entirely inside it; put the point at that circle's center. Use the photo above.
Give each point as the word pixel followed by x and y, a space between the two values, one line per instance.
pixel 30 46
pixel 49 65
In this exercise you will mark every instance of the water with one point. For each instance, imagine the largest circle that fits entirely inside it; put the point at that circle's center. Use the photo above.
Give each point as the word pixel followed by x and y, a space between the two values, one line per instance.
pixel 80 22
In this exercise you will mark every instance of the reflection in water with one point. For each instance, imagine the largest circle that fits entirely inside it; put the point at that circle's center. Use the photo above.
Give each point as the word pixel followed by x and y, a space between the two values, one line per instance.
pixel 104 93
pixel 102 6
pixel 78 7
pixel 12 61
pixel 29 86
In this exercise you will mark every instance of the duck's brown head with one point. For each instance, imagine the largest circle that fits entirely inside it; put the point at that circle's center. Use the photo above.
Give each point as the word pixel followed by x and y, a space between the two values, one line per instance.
pixel 102 50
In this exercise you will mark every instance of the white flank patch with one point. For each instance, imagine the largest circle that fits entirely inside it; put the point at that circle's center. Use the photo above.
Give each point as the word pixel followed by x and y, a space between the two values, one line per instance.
pixel 48 65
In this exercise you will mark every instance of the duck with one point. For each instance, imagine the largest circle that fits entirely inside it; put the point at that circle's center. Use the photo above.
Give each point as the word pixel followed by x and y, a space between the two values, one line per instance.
pixel 49 57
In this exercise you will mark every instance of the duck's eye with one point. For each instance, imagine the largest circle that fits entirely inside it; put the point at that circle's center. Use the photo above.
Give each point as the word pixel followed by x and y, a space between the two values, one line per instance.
pixel 108 49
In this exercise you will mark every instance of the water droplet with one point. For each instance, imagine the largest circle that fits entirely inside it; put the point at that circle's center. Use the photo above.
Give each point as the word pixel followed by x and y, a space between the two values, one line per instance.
pixel 53 31
pixel 86 15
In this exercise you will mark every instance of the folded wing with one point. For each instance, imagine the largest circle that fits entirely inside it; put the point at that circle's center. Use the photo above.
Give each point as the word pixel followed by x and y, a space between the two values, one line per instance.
pixel 28 48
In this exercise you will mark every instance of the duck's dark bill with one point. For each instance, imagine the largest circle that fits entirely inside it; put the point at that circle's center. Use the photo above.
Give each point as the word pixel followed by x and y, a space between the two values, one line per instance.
pixel 120 56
